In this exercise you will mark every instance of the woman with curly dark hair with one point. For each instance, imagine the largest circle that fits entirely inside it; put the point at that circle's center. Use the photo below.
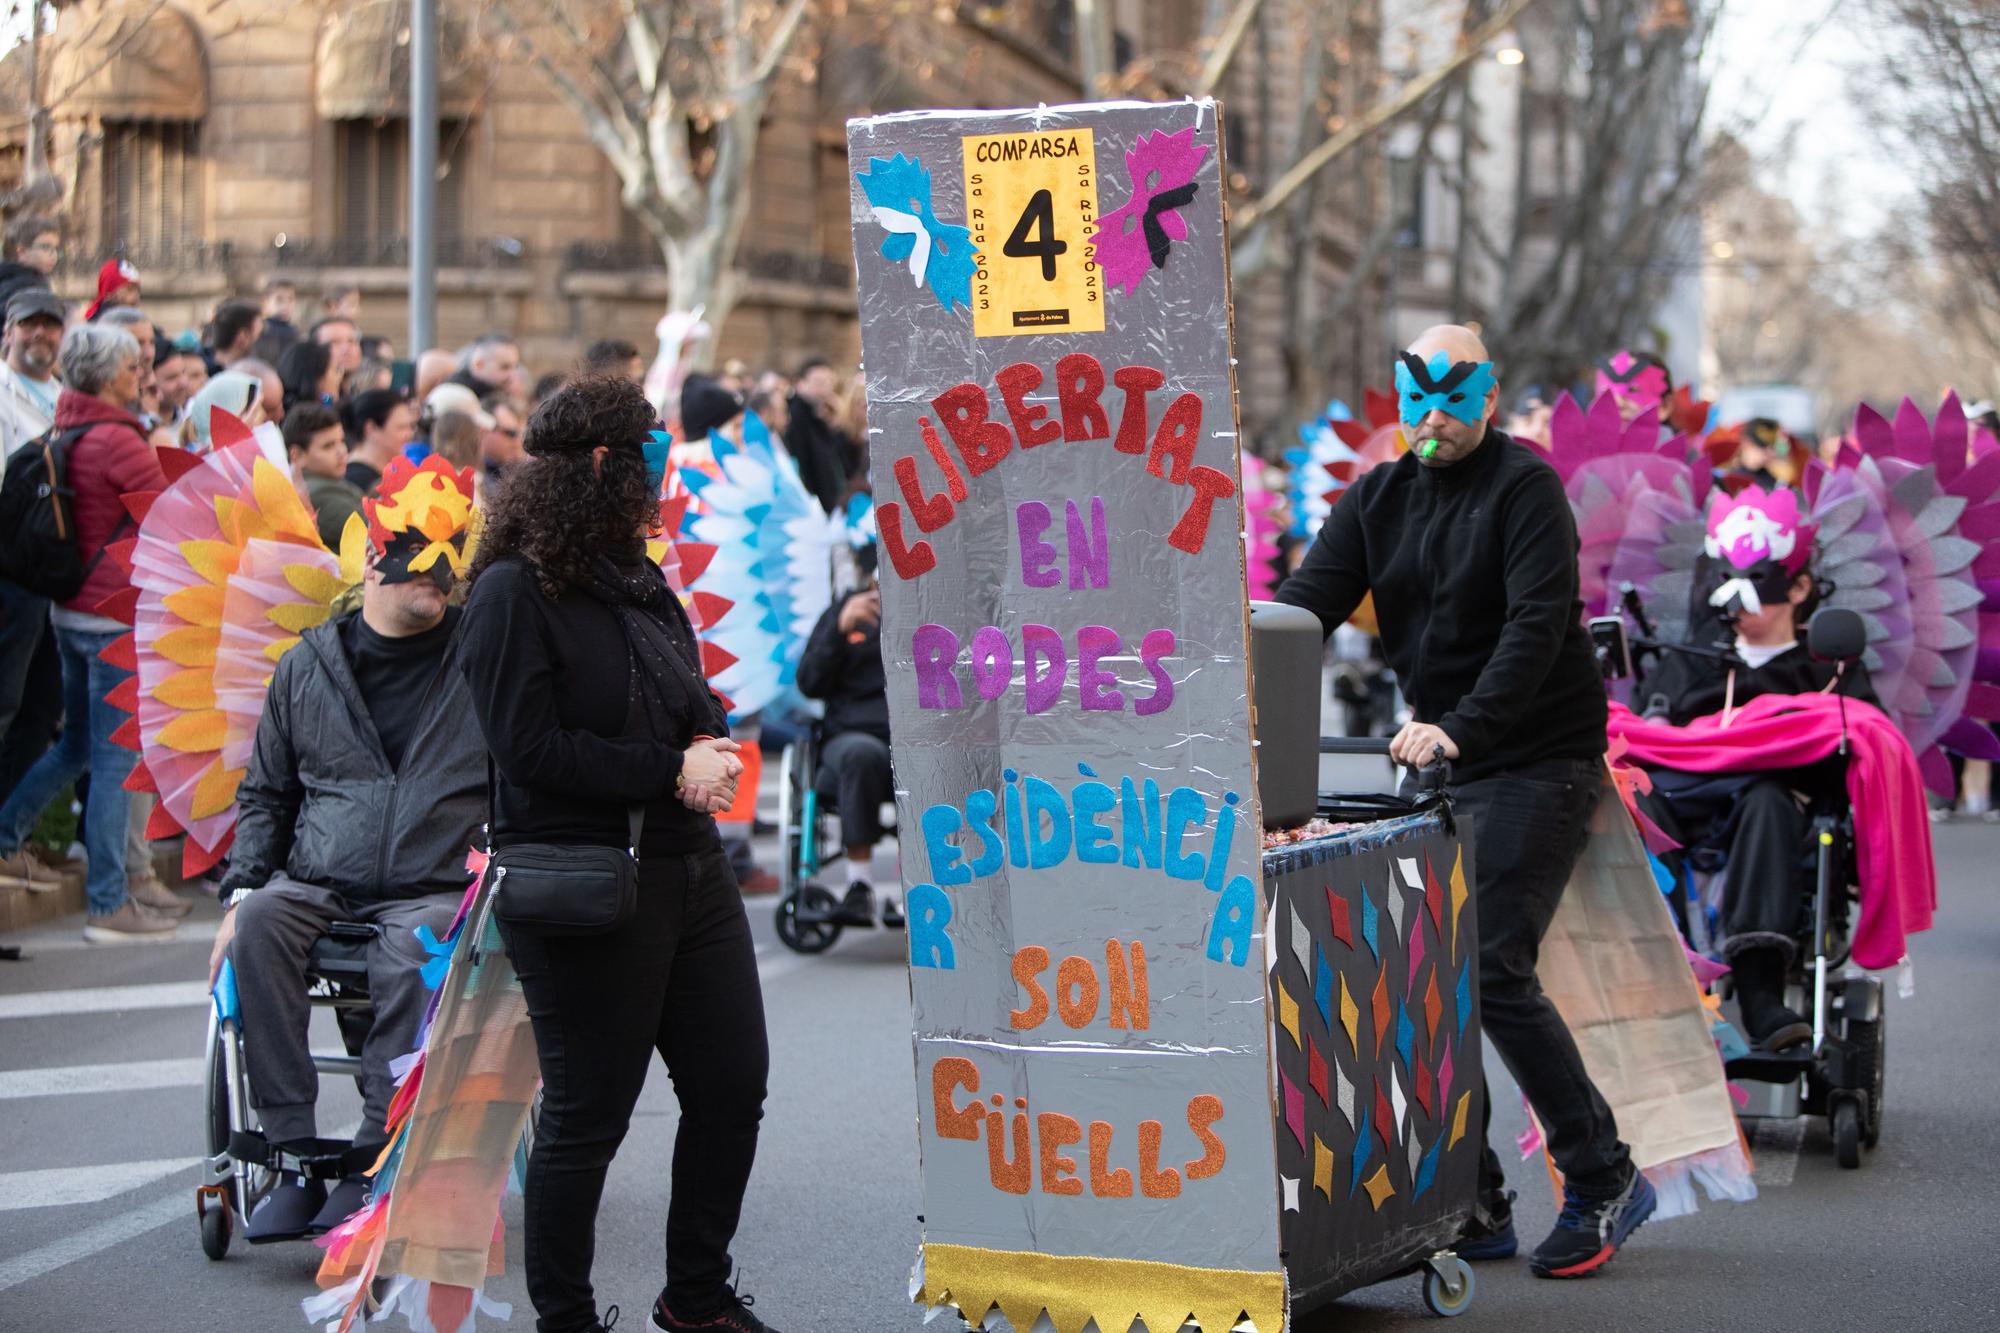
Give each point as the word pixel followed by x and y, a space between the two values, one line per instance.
pixel 587 682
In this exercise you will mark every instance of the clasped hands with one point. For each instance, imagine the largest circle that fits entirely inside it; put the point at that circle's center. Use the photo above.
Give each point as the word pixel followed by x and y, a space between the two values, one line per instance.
pixel 1418 744
pixel 709 770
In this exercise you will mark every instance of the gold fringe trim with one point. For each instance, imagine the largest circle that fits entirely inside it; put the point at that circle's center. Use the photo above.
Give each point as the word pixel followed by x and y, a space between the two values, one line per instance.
pixel 1114 1292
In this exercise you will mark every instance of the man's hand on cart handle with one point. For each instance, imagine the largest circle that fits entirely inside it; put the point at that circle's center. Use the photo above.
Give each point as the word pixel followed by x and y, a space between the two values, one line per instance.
pixel 1419 744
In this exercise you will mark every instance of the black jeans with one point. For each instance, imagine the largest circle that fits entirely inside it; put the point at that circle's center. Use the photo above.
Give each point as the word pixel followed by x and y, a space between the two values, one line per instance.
pixel 854 773
pixel 1758 825
pixel 680 979
pixel 1529 825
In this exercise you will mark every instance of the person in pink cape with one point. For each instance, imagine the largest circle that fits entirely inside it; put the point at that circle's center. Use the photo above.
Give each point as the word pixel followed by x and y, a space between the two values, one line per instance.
pixel 1755 581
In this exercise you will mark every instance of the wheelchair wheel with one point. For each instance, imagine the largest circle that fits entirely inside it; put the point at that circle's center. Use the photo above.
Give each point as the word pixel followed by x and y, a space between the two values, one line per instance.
pixel 217 1095
pixel 807 936
pixel 218 1224
pixel 1845 1123
pixel 1874 1053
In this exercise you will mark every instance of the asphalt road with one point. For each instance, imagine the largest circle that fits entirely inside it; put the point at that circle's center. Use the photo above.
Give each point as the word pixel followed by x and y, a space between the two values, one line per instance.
pixel 99 1087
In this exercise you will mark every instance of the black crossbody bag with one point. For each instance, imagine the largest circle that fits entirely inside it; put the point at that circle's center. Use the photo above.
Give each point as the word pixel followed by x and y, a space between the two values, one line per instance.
pixel 550 888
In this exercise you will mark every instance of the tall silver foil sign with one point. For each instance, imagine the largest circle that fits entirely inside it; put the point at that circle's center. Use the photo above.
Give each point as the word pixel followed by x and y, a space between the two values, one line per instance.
pixel 1045 318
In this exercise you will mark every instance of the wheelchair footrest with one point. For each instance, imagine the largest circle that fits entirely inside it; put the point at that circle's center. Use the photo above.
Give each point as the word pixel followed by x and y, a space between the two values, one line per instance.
pixel 313 1159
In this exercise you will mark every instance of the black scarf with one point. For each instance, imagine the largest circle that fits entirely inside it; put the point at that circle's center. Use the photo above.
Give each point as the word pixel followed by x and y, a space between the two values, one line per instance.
pixel 668 697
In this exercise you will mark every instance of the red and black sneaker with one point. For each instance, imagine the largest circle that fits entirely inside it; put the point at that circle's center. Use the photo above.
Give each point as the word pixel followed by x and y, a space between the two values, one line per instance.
pixel 1589 1231
pixel 731 1316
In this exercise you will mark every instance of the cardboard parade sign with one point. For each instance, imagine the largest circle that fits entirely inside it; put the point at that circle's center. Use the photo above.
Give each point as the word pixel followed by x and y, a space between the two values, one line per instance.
pixel 1045 312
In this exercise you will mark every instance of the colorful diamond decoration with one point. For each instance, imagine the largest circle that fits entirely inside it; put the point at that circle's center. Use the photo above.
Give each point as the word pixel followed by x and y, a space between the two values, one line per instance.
pixel 1361 1152
pixel 1433 1007
pixel 1301 943
pixel 1350 1017
pixel 1420 1086
pixel 1336 908
pixel 1380 1191
pixel 1385 1128
pixel 1295 1108
pixel 1379 1003
pixel 1444 1077
pixel 1458 897
pixel 1414 1153
pixel 1406 1034
pixel 1397 1102
pixel 1291 1188
pixel 1323 991
pixel 1343 1095
pixel 1288 1013
pixel 1316 1069
pixel 1433 897
pixel 1322 1168
pixel 1427 1173
pixel 1464 998
pixel 1368 923
pixel 1458 1119
pixel 1396 904
pixel 1416 957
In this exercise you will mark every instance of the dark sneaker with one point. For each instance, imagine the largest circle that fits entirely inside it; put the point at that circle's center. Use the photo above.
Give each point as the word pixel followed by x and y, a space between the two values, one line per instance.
pixel 858 907
pixel 287 1211
pixel 732 1317
pixel 342 1202
pixel 1489 1233
pixel 1589 1231
pixel 892 914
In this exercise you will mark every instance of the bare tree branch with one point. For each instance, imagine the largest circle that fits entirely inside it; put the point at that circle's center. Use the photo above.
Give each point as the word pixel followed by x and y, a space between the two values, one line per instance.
pixel 1226 46
pixel 1409 96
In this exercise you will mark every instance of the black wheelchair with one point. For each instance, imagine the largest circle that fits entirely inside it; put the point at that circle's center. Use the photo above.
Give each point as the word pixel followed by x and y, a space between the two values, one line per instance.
pixel 242 1166
pixel 809 839
pixel 1840 1074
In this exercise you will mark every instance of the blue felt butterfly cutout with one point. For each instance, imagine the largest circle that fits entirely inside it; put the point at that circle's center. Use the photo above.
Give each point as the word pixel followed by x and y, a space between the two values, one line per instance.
pixel 939 254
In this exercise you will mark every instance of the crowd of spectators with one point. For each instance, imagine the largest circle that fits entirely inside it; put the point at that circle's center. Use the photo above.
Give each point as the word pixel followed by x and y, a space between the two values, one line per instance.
pixel 332 404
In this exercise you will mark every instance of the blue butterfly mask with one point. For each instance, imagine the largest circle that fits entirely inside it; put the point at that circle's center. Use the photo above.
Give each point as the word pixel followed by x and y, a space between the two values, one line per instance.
pixel 656 447
pixel 1457 388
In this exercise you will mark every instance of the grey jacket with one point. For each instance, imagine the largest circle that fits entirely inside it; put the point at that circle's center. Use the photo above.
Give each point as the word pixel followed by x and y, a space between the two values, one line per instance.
pixel 320 802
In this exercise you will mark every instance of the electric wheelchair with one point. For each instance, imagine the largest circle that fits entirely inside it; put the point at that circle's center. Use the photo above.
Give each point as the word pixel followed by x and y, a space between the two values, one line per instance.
pixel 1840 1074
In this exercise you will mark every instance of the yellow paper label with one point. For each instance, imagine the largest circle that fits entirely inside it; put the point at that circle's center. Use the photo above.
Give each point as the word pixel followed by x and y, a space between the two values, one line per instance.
pixel 1031 200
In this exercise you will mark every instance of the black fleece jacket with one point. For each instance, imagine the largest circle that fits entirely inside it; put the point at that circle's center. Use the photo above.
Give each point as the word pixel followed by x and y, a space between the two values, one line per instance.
pixel 845 670
pixel 550 682
pixel 1473 568
pixel 1685 687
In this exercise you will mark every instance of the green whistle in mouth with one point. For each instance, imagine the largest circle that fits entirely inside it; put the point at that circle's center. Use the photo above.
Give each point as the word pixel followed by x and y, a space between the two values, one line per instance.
pixel 1428 449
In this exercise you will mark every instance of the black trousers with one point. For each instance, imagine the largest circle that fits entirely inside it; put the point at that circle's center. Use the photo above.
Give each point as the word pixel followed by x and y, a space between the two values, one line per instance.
pixel 275 930
pixel 1756 823
pixel 854 772
pixel 1529 826
pixel 680 980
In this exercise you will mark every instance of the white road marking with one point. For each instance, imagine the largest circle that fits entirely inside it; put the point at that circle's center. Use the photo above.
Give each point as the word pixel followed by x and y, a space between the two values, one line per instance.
pixel 105 999
pixel 126 1076
pixel 108 1234
pixel 1776 1151
pixel 56 1187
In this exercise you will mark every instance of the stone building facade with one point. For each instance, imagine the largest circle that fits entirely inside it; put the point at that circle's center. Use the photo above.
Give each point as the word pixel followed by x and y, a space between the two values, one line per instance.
pixel 217 145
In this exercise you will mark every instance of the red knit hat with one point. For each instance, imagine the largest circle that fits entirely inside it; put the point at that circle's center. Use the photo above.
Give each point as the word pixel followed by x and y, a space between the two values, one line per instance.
pixel 115 274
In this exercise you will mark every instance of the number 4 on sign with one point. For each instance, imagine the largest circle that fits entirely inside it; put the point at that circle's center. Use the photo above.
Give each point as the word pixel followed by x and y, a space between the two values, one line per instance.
pixel 1039 214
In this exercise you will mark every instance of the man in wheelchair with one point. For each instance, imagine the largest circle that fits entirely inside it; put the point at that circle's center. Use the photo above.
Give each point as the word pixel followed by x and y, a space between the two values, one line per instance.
pixel 1757 576
pixel 842 665
pixel 366 784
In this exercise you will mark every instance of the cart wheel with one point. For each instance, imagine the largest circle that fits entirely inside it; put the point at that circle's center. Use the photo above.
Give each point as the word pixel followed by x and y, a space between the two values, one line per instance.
pixel 1846 1123
pixel 216 1228
pixel 1448 1286
pixel 807 936
pixel 1874 1054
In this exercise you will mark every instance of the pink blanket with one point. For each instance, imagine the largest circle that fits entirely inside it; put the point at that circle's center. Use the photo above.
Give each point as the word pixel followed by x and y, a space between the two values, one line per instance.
pixel 1891 822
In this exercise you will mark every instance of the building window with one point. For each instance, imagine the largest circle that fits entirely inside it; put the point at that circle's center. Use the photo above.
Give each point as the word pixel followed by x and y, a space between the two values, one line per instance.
pixel 151 196
pixel 371 166
pixel 1406 199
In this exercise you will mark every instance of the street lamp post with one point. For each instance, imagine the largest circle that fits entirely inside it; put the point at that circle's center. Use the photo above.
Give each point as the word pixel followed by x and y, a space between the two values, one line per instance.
pixel 423 175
